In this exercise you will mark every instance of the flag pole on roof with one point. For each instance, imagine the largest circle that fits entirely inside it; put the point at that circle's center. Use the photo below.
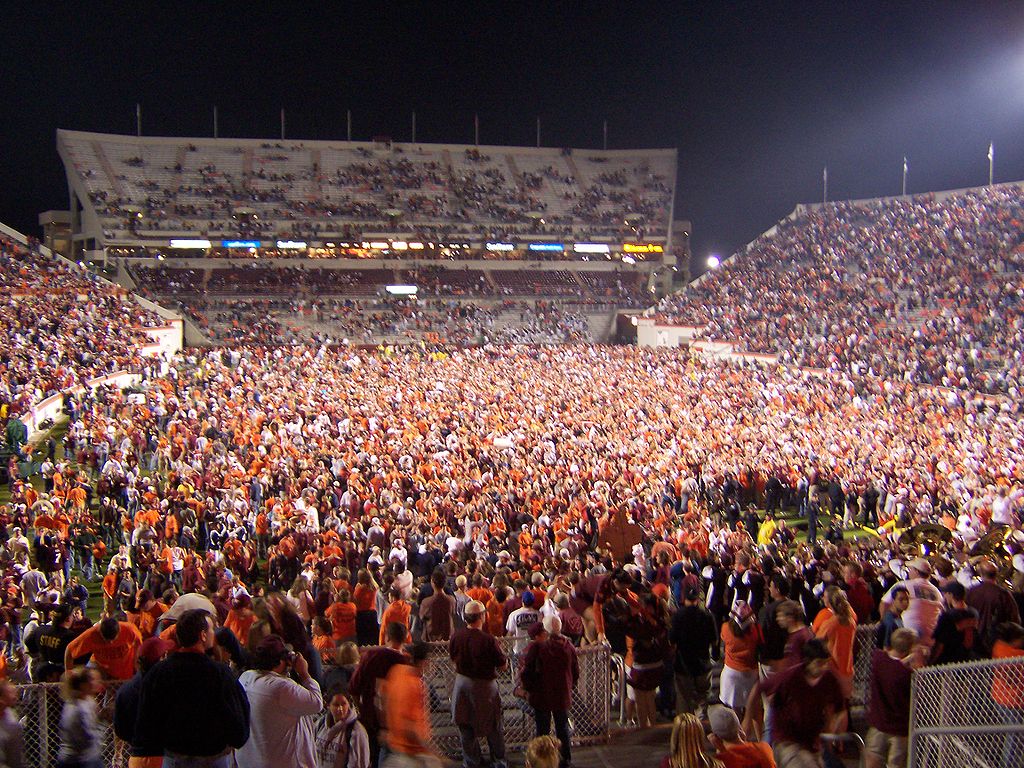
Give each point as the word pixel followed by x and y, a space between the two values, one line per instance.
pixel 215 121
pixel 348 120
pixel 414 126
pixel 282 124
pixel 476 130
pixel 138 119
pixel 904 175
pixel 606 135
pixel 538 133
pixel 824 186
pixel 991 157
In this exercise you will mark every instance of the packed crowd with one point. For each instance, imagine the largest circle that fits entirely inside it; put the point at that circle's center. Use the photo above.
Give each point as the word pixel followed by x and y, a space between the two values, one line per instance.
pixel 63 327
pixel 318 502
pixel 917 289
pixel 302 191
pixel 235 322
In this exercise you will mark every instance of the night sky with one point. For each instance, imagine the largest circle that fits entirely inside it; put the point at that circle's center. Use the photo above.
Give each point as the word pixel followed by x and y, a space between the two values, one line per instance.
pixel 757 97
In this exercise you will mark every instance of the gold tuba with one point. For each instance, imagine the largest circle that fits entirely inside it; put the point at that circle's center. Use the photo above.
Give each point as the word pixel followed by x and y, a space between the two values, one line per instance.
pixel 994 546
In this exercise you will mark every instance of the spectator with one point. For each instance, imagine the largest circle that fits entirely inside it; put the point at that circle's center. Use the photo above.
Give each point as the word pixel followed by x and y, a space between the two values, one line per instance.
pixel 993 602
pixel 81 740
pixel 806 701
pixel 549 672
pixel 437 612
pixel 281 733
pixel 342 741
pixel 408 726
pixel 113 645
pixel 731 748
pixel 925 599
pixel 216 720
pixel 1007 691
pixel 476 701
pixel 688 747
pixel 543 752
pixel 956 632
pixel 694 638
pixel 373 668
pixel 741 637
pixel 893 618
pixel 12 740
pixel 126 705
pixel 888 713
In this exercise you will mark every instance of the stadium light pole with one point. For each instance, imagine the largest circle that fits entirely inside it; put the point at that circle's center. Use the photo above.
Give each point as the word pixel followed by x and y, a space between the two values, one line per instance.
pixel 904 175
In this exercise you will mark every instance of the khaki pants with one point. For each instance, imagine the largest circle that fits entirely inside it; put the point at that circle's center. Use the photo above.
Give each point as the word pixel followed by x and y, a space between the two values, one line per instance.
pixel 791 755
pixel 890 751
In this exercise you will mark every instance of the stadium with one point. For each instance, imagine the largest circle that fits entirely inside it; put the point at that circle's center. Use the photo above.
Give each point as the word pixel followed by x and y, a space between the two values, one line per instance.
pixel 345 453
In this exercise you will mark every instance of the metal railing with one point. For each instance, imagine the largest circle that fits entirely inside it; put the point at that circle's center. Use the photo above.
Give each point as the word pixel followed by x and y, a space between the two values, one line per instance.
pixel 40 704
pixel 968 714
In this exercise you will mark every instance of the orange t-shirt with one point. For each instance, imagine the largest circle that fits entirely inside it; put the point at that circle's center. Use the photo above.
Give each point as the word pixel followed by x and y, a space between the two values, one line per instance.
pixel 1006 688
pixel 396 612
pixel 240 622
pixel 116 658
pixel 741 651
pixel 343 620
pixel 840 639
pixel 403 703
pixel 365 598
pixel 324 645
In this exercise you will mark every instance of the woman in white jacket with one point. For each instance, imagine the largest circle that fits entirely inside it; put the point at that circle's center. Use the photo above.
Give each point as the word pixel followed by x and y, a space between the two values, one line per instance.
pixel 342 742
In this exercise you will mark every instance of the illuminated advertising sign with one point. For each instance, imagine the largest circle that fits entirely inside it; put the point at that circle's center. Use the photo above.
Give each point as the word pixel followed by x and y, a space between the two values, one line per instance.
pixel 401 290
pixel 291 245
pixel 546 247
pixel 416 246
pixel 642 248
pixel 241 244
pixel 500 247
pixel 379 245
pixel 400 245
pixel 591 248
pixel 191 244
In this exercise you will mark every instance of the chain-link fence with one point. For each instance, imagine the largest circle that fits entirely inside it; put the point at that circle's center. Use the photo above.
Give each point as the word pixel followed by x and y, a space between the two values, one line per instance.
pixel 968 715
pixel 589 715
pixel 40 706
pixel 863 645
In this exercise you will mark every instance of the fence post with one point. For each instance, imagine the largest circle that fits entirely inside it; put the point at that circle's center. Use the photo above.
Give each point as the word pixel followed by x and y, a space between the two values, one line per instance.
pixel 44 727
pixel 914 739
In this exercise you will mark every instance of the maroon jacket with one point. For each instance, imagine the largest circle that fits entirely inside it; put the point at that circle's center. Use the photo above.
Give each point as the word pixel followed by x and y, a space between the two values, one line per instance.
pixel 549 672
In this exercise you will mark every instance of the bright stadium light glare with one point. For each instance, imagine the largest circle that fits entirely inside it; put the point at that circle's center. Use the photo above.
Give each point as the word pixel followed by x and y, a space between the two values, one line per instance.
pixel 714 262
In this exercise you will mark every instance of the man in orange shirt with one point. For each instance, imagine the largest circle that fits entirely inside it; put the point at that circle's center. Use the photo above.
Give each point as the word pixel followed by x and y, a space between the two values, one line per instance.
pixel 113 644
pixel 404 711
pixel 398 612
pixel 730 745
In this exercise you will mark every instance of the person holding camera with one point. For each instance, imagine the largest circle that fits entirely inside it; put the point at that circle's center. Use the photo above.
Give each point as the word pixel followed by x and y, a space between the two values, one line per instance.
pixel 281 734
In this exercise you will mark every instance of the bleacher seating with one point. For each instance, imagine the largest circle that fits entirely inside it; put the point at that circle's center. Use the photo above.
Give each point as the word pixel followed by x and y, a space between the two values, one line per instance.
pixel 919 289
pixel 236 188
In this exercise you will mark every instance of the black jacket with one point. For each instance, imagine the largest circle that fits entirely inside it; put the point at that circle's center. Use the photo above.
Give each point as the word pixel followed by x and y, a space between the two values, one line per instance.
pixel 190 705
